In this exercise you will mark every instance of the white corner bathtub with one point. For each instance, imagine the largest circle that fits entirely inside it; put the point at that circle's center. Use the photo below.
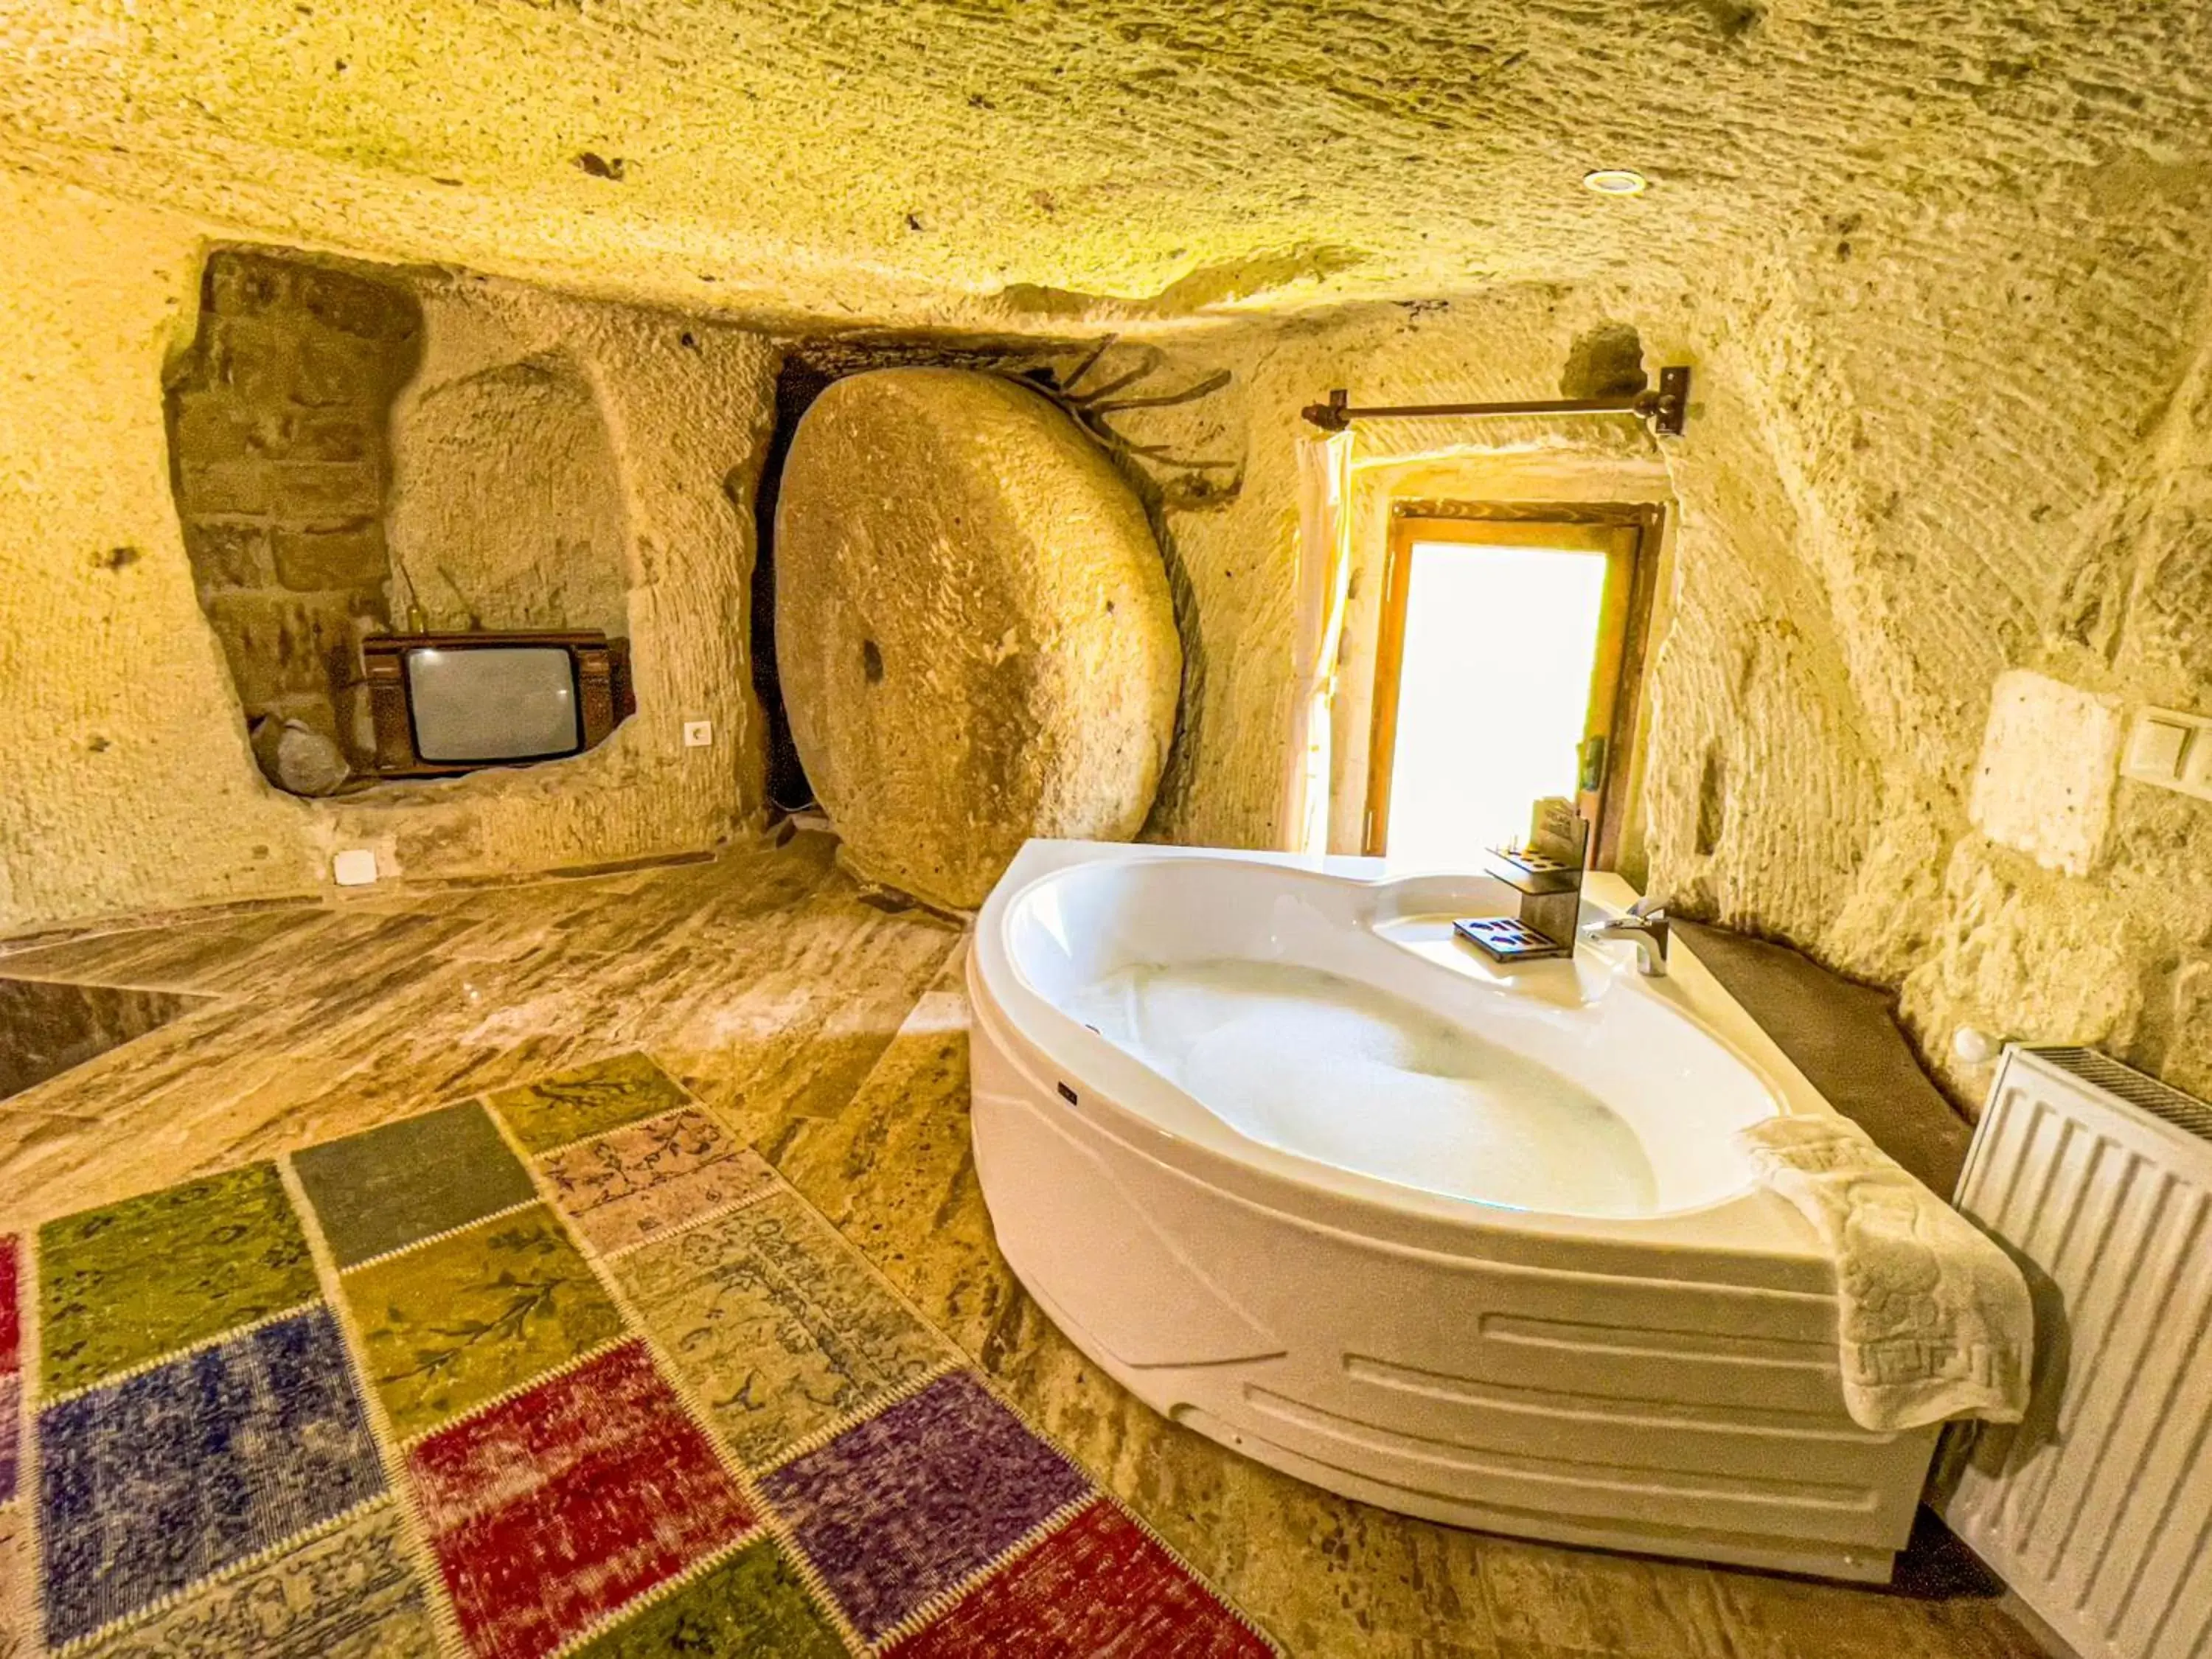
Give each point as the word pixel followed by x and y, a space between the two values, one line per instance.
pixel 1309 1176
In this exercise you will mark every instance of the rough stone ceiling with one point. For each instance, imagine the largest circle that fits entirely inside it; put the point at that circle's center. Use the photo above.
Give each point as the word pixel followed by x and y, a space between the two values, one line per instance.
pixel 929 160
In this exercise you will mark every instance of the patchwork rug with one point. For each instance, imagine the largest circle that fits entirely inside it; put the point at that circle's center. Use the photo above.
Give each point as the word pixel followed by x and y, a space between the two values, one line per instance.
pixel 566 1370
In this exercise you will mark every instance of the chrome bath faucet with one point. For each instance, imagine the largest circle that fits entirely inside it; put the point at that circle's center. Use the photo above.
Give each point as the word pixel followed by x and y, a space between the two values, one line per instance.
pixel 1646 923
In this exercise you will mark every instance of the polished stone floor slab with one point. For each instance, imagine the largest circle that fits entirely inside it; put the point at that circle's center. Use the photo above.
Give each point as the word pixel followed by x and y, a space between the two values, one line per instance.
pixel 46 1027
pixel 829 1037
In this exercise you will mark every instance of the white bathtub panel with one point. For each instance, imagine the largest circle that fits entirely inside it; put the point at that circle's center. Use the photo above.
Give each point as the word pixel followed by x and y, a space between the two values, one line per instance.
pixel 1665 1382
pixel 1612 1484
pixel 1465 1382
pixel 1615 1358
pixel 1660 1433
pixel 1149 1304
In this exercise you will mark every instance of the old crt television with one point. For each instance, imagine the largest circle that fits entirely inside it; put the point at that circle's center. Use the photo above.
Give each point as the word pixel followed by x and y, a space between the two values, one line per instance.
pixel 454 702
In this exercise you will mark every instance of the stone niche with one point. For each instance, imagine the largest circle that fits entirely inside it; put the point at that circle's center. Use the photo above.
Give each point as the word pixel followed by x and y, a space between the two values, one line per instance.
pixel 976 640
pixel 280 455
pixel 353 455
pixel 506 507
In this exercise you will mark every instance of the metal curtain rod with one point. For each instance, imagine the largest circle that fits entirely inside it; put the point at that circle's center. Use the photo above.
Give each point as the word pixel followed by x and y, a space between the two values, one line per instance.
pixel 1667 409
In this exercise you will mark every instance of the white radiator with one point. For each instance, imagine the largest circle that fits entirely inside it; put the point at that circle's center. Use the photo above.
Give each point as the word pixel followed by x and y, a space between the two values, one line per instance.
pixel 2097 1509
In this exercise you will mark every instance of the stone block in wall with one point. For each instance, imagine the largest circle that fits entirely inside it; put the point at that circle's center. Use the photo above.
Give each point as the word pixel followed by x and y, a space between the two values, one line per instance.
pixel 215 426
pixel 334 370
pixel 355 305
pixel 285 647
pixel 335 435
pixel 240 488
pixel 325 490
pixel 248 358
pixel 229 556
pixel 247 285
pixel 2049 760
pixel 347 554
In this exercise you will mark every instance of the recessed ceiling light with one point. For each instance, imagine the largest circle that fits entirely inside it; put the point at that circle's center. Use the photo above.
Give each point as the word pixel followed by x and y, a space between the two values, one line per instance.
pixel 1616 181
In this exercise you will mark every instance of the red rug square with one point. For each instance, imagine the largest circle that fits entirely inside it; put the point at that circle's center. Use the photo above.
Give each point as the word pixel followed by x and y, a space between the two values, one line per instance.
pixel 551 1510
pixel 1097 1589
pixel 11 1359
pixel 11 1324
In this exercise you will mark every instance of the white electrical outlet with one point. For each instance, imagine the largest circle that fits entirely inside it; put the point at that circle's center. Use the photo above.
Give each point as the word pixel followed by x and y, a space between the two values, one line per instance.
pixel 355 866
pixel 698 734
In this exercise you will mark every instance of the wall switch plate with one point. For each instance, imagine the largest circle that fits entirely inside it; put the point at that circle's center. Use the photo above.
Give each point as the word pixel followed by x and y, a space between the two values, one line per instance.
pixel 354 867
pixel 2172 751
pixel 697 734
pixel 2154 748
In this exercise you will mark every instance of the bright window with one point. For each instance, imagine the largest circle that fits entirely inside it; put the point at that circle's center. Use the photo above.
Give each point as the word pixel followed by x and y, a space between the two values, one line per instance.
pixel 1494 693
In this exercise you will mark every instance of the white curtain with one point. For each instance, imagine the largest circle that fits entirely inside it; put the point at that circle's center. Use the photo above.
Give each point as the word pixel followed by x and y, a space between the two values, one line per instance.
pixel 1324 584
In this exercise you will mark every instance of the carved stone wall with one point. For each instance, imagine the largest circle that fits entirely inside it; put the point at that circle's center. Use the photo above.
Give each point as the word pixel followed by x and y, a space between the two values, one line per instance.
pixel 128 785
pixel 278 418
pixel 506 510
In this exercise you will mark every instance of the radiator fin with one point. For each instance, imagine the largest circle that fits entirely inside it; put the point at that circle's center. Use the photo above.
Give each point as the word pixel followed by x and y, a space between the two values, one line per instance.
pixel 2147 1094
pixel 2098 1508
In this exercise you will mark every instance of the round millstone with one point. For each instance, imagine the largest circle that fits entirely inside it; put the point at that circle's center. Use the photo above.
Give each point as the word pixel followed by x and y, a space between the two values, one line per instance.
pixel 973 628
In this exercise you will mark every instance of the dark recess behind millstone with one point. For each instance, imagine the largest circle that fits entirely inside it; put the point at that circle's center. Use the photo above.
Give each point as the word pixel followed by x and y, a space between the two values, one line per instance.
pixel 798 384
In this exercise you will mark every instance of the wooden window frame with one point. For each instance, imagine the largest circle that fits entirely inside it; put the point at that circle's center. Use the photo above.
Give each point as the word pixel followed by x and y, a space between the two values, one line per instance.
pixel 1629 533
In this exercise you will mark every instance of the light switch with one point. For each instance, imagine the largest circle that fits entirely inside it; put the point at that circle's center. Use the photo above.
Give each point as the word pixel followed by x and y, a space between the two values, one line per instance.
pixel 2196 765
pixel 698 734
pixel 2155 752
pixel 2171 750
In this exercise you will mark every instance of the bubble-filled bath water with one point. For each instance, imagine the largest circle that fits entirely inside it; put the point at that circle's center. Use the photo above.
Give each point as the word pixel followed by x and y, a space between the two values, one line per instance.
pixel 1324 1067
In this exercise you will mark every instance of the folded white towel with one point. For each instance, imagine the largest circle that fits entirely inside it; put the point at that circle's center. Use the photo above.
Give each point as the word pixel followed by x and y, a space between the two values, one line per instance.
pixel 1933 1320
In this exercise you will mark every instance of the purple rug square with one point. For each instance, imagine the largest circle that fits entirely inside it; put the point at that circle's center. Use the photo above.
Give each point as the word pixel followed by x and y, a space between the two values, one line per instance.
pixel 905 1506
pixel 11 1404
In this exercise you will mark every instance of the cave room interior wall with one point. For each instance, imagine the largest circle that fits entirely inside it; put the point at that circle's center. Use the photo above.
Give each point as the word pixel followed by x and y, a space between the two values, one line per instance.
pixel 1939 522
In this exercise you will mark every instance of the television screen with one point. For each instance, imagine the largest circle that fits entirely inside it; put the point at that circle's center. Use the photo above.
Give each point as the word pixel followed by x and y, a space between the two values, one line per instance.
pixel 493 702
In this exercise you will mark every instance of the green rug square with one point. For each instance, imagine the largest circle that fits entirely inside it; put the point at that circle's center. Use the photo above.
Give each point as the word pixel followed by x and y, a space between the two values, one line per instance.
pixel 401 1182
pixel 468 1317
pixel 128 1283
pixel 753 1606
pixel 589 1101
pixel 776 1323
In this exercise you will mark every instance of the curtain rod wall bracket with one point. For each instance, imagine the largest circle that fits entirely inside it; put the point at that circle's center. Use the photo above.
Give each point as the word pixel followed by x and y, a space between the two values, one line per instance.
pixel 1668 409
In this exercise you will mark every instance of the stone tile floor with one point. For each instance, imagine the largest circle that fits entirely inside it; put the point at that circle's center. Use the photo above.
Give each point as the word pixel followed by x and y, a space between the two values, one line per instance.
pixel 826 1038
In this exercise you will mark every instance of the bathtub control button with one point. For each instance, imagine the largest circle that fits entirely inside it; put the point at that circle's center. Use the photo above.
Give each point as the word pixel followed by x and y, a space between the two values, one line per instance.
pixel 1066 1093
